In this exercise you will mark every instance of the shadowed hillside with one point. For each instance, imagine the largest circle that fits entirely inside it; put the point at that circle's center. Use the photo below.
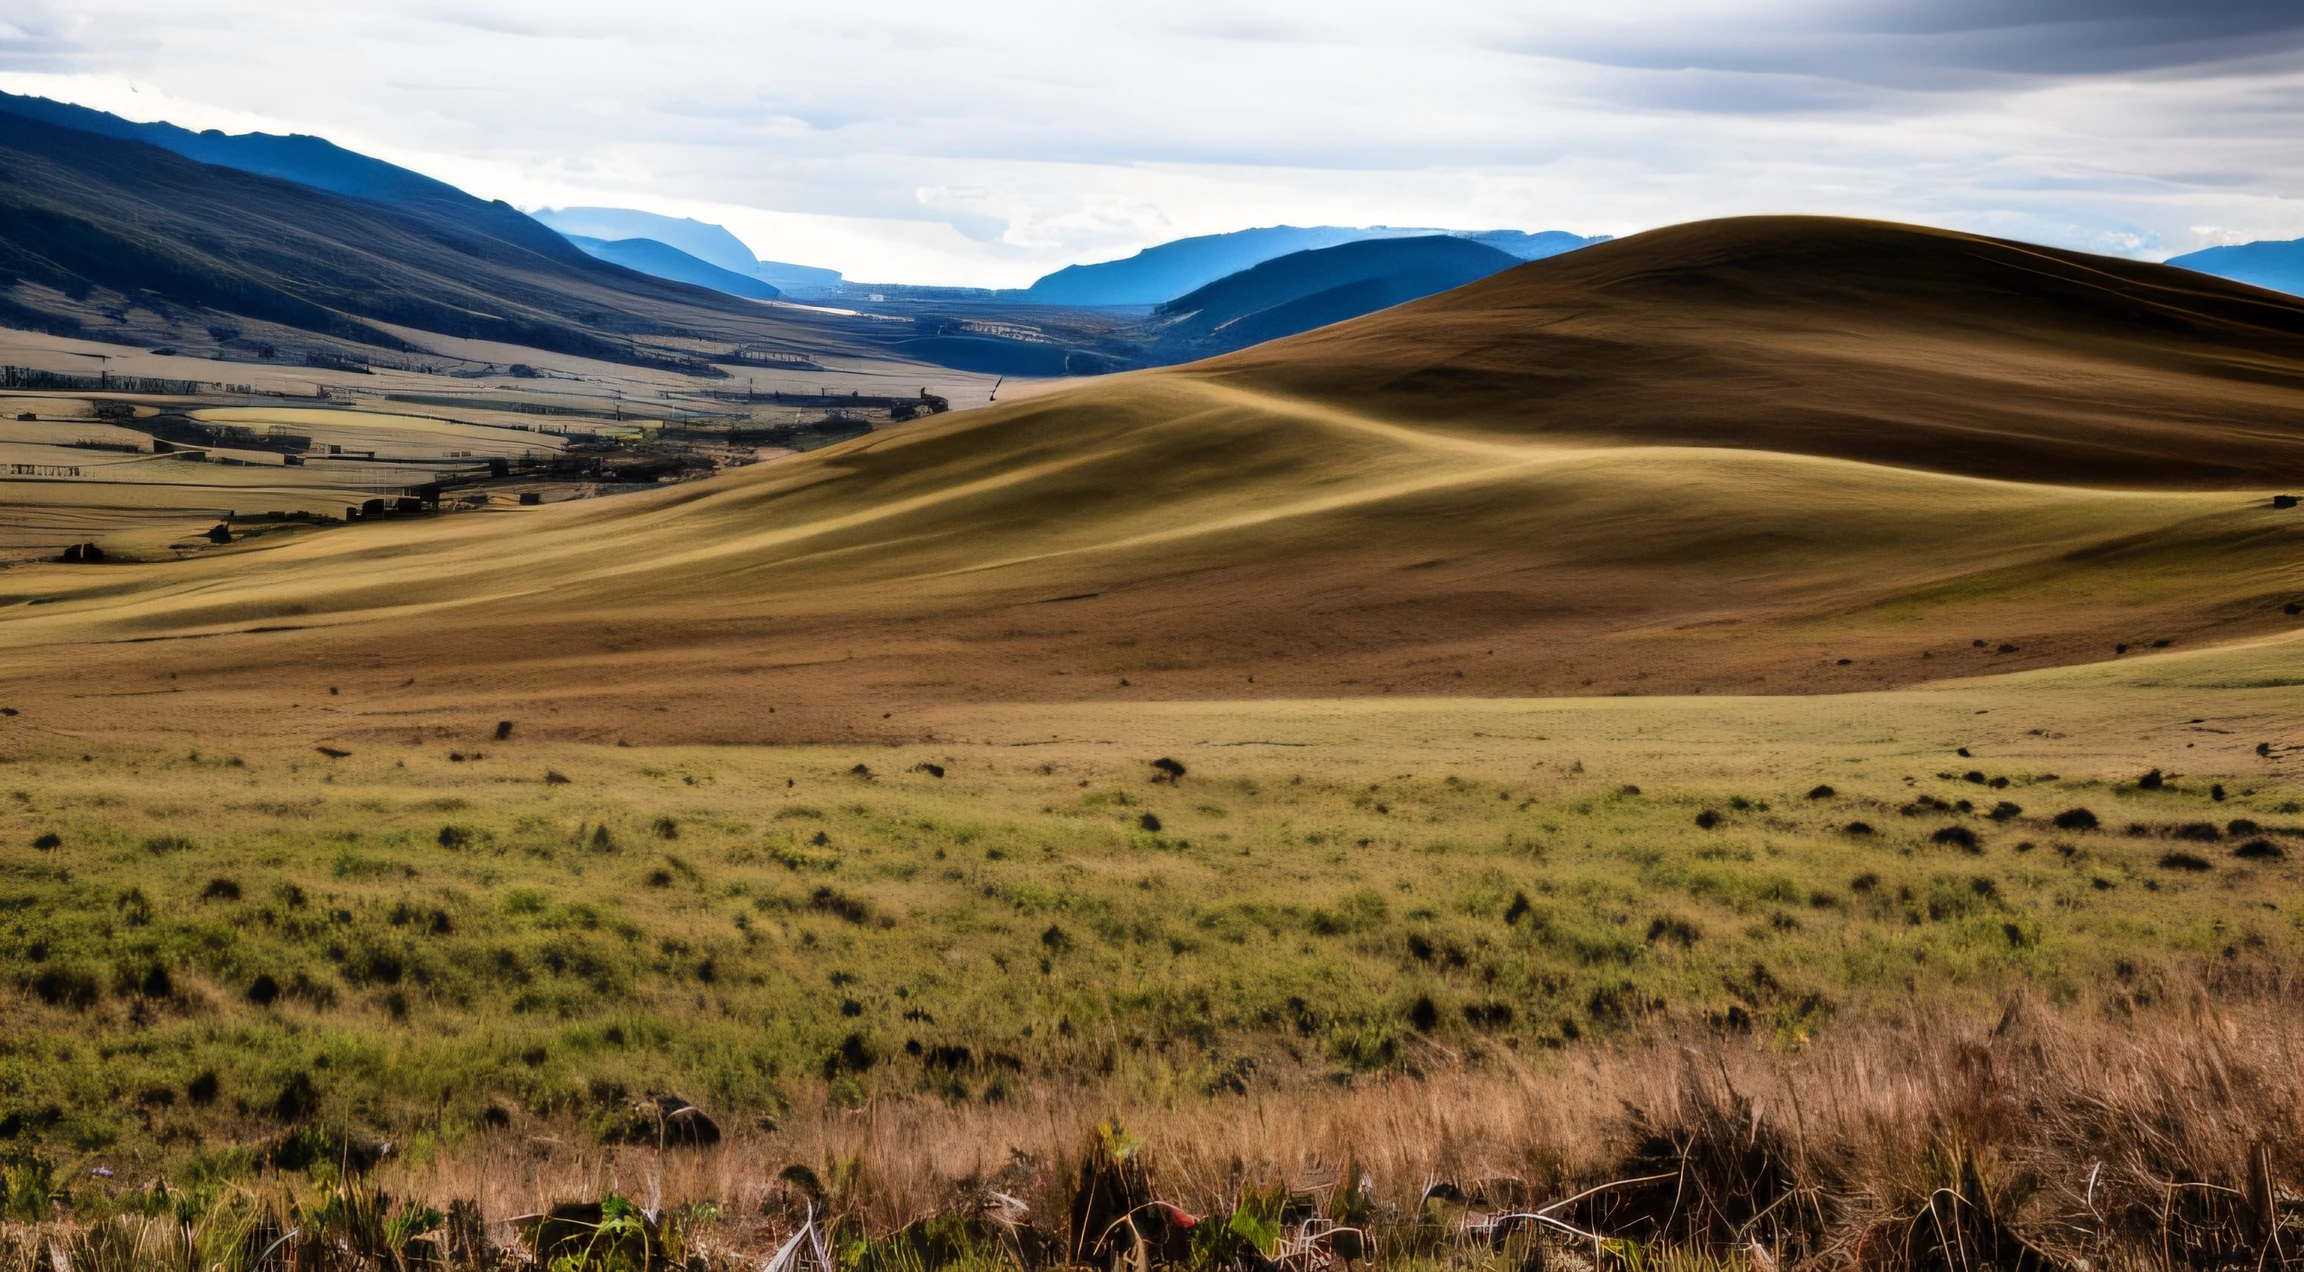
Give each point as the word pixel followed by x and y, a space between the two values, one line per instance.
pixel 1772 456
pixel 132 224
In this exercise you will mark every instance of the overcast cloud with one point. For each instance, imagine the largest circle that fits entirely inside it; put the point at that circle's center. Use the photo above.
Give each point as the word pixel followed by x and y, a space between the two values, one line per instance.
pixel 989 143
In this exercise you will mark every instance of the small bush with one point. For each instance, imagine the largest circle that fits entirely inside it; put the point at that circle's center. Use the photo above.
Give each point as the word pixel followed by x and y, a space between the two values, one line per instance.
pixel 2184 861
pixel 2075 819
pixel 1956 837
pixel 1707 819
pixel 2259 850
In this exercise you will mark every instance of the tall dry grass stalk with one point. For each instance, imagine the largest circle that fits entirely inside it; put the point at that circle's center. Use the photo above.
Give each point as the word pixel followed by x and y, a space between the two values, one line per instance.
pixel 2170 1135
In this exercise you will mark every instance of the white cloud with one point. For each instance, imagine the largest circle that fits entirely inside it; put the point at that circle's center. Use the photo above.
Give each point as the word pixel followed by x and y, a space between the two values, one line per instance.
pixel 987 143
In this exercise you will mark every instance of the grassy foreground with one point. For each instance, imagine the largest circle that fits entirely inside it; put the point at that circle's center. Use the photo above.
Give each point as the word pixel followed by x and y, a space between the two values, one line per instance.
pixel 919 972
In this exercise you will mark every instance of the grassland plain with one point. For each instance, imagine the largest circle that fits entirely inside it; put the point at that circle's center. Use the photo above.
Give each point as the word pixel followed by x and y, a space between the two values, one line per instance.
pixel 216 941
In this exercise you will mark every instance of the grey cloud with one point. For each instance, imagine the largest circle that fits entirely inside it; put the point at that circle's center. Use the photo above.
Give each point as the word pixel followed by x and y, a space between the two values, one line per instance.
pixel 1946 45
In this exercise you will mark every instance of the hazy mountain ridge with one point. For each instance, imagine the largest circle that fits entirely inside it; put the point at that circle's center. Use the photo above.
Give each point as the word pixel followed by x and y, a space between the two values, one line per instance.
pixel 713 244
pixel 662 260
pixel 2274 263
pixel 1159 274
pixel 1304 290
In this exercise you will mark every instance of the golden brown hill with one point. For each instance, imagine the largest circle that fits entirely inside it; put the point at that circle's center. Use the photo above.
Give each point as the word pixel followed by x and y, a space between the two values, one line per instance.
pixel 1437 500
pixel 1863 340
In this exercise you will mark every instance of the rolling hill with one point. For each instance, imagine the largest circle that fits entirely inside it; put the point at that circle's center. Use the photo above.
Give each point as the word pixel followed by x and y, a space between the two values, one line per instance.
pixel 1779 455
pixel 1303 290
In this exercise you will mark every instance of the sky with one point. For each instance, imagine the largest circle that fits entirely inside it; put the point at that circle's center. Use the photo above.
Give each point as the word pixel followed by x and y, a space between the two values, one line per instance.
pixel 987 143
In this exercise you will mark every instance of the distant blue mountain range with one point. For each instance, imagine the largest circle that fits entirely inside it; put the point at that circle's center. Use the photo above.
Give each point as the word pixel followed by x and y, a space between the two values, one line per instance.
pixel 702 240
pixel 665 261
pixel 1160 274
pixel 2276 264
pixel 1303 290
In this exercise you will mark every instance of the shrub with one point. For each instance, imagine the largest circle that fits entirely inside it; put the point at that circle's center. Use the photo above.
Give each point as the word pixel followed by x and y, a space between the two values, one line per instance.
pixel 1956 837
pixel 2183 861
pixel 2075 819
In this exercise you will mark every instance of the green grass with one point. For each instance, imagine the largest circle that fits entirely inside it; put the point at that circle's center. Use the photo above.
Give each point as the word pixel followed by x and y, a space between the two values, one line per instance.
pixel 215 949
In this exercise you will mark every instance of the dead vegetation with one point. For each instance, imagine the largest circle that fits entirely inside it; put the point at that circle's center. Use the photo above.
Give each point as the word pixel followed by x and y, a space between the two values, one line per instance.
pixel 2166 1131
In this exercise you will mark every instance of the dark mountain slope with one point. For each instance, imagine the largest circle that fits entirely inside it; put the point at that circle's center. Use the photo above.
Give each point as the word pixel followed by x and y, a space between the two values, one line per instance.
pixel 1304 290
pixel 1860 340
pixel 310 161
pixel 81 211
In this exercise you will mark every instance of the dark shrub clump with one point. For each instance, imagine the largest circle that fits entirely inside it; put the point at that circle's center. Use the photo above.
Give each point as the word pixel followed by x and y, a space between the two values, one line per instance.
pixel 1956 837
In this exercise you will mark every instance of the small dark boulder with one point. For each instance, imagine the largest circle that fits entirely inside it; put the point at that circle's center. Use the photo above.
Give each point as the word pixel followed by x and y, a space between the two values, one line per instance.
pixel 2076 819
pixel 2184 861
pixel 2259 850
pixel 1149 822
pixel 2151 781
pixel 1822 792
pixel 1858 828
pixel 220 533
pixel 2283 501
pixel 1707 819
pixel 503 730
